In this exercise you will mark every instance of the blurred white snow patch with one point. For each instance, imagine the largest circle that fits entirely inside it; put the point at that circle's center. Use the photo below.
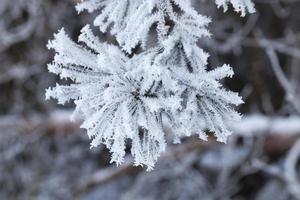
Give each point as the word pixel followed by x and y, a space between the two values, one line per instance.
pixel 260 124
pixel 290 125
pixel 250 125
pixel 219 159
pixel 61 116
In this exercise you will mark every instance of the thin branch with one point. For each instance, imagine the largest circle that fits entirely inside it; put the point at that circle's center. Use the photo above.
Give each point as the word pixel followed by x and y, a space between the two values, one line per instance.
pixel 289 89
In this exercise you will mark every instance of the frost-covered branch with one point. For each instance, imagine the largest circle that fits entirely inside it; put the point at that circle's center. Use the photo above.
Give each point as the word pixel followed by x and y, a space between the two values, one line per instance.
pixel 124 95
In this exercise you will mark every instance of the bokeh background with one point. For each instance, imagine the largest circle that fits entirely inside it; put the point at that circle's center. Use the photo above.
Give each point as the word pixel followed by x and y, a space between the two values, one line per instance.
pixel 45 156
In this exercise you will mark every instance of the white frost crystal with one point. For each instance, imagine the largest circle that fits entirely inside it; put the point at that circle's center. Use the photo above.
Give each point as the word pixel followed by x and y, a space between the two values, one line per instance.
pixel 242 6
pixel 125 96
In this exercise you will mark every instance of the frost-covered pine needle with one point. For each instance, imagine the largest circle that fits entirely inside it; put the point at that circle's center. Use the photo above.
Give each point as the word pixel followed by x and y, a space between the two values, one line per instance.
pixel 125 98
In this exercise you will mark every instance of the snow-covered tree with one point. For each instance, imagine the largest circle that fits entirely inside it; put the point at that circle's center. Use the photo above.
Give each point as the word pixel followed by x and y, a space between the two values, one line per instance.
pixel 128 96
